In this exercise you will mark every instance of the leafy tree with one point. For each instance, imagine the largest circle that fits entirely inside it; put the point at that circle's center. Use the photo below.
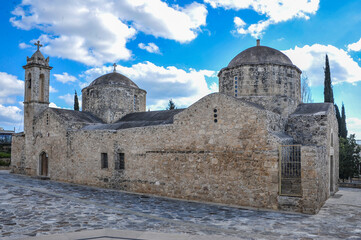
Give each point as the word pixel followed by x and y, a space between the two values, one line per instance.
pixel 327 92
pixel 349 157
pixel 338 116
pixel 76 102
pixel 343 132
pixel 171 105
pixel 305 89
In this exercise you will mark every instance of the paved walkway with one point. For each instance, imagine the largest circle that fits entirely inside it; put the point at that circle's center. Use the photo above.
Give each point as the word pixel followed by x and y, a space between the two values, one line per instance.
pixel 31 207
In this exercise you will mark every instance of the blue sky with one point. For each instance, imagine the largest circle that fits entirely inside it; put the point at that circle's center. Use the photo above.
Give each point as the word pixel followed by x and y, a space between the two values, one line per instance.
pixel 174 49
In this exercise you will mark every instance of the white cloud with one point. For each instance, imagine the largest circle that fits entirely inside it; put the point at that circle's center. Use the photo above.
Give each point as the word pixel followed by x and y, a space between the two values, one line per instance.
pixel 10 115
pixel 214 87
pixel 96 32
pixel 155 17
pixel 52 90
pixel 239 22
pixel 275 11
pixel 68 98
pixel 354 46
pixel 65 77
pixel 354 127
pixel 24 45
pixel 11 87
pixel 53 105
pixel 151 47
pixel 163 83
pixel 311 59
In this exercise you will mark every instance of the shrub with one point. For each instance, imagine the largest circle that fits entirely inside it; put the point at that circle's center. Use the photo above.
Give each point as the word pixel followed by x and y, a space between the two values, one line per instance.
pixel 4 163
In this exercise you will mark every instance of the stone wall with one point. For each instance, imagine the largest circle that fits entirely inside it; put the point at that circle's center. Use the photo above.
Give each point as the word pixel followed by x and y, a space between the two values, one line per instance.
pixel 18 153
pixel 276 87
pixel 110 103
pixel 319 129
pixel 231 161
pixel 221 149
pixel 314 175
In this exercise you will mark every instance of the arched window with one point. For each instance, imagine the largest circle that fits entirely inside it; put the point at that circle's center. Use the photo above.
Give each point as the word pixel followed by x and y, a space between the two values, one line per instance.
pixel 41 90
pixel 43 164
pixel 28 88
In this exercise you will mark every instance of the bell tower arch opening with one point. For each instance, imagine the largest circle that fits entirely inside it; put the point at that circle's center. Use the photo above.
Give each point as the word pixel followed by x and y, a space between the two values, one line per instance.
pixel 28 88
pixel 41 88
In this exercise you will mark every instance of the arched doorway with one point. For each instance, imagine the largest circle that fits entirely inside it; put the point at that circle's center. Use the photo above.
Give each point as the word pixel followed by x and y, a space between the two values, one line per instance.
pixel 43 164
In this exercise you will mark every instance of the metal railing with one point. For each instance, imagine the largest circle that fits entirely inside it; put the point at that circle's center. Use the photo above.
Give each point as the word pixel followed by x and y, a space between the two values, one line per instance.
pixel 290 170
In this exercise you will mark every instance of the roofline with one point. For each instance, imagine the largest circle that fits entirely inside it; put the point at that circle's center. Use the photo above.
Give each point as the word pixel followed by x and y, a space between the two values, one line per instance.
pixel 30 65
pixel 137 88
pixel 265 63
pixel 322 112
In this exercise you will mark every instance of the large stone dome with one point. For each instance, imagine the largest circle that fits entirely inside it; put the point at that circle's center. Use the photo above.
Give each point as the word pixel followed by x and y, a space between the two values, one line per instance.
pixel 115 79
pixel 260 55
pixel 264 76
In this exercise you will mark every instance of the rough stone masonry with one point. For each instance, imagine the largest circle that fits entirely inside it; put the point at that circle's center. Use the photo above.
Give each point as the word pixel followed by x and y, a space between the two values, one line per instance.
pixel 225 148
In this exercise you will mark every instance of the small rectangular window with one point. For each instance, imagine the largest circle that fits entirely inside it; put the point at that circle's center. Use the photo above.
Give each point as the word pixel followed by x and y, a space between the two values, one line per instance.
pixel 236 78
pixel 331 139
pixel 119 162
pixel 104 160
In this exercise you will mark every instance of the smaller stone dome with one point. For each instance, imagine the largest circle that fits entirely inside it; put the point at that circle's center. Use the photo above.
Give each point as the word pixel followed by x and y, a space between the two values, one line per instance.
pixel 260 55
pixel 114 79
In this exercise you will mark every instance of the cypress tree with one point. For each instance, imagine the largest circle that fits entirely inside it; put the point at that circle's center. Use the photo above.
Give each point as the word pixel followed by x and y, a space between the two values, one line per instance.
pixel 76 102
pixel 349 157
pixel 171 105
pixel 327 92
pixel 343 132
pixel 338 116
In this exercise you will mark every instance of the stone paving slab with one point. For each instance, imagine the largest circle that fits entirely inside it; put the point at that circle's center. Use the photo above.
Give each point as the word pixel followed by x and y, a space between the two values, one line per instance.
pixel 111 234
pixel 31 207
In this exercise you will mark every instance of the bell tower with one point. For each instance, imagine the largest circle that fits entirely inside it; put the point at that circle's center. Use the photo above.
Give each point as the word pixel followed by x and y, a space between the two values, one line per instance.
pixel 36 98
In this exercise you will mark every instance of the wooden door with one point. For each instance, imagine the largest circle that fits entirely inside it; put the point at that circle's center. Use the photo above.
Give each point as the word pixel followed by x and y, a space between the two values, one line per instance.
pixel 44 164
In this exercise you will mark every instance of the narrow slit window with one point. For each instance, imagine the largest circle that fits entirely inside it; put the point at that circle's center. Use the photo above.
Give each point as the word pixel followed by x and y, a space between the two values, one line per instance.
pixel 331 139
pixel 135 102
pixel 104 160
pixel 119 162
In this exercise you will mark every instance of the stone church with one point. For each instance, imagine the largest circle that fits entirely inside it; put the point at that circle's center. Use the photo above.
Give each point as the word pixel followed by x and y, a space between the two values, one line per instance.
pixel 253 144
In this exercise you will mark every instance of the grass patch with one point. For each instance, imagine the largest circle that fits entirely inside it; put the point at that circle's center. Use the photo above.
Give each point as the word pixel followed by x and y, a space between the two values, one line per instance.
pixel 5 155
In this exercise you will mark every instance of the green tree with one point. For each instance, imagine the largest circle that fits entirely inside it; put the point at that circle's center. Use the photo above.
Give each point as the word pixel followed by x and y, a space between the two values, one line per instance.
pixel 349 157
pixel 343 132
pixel 327 92
pixel 306 95
pixel 338 116
pixel 76 102
pixel 171 105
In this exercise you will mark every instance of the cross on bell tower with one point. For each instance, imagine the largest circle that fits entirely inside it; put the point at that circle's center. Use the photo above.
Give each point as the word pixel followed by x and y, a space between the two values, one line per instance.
pixel 115 67
pixel 38 44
